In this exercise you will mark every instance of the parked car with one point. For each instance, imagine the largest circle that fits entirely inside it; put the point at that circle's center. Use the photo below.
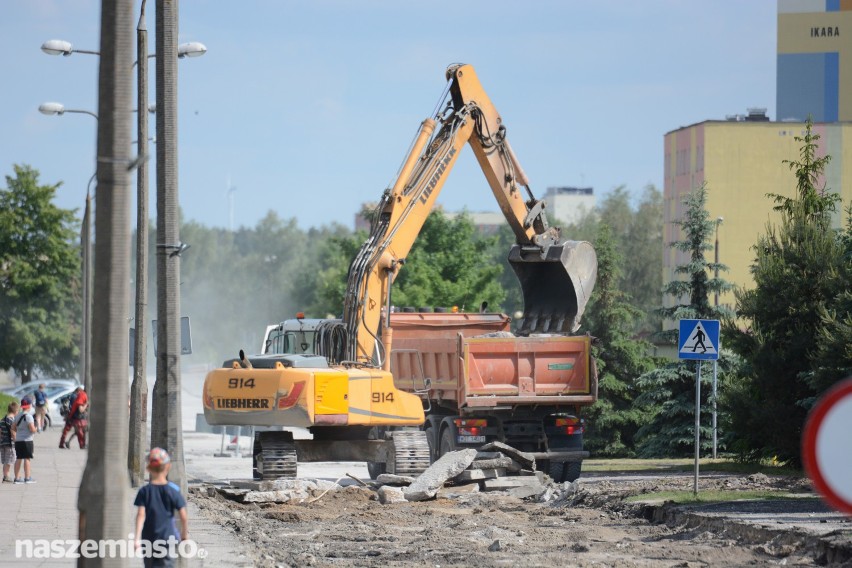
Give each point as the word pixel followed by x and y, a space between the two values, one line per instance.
pixel 51 386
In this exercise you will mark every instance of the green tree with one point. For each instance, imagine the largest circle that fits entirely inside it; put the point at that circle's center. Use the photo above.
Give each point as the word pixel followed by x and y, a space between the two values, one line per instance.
pixel 800 273
pixel 638 234
pixel 610 317
pixel 669 391
pixel 833 356
pixel 321 289
pixel 39 279
pixel 449 265
pixel 643 266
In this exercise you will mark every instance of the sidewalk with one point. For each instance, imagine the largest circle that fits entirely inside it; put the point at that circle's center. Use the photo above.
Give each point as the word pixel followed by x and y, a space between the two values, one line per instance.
pixel 47 509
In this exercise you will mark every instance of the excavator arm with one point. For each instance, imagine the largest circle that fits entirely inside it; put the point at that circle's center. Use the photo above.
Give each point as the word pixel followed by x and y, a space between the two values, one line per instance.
pixel 556 276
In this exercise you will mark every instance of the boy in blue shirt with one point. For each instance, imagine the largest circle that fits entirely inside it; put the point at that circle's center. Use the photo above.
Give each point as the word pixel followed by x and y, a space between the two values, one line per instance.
pixel 157 503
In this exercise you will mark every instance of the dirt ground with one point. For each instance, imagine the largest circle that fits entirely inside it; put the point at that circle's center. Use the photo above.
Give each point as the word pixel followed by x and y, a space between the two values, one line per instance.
pixel 583 524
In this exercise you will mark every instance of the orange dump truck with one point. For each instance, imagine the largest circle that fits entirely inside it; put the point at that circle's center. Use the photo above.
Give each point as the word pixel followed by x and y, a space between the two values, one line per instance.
pixel 479 383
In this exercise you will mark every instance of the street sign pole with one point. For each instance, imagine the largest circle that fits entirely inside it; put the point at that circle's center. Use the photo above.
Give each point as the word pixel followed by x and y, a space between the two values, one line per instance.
pixel 695 334
pixel 715 429
pixel 697 425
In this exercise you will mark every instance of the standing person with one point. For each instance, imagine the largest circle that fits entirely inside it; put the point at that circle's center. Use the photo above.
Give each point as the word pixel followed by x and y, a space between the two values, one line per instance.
pixel 24 430
pixel 76 418
pixel 157 503
pixel 7 441
pixel 40 406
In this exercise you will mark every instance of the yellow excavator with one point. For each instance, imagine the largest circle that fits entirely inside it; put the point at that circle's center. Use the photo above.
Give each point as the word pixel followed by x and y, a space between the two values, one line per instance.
pixel 346 390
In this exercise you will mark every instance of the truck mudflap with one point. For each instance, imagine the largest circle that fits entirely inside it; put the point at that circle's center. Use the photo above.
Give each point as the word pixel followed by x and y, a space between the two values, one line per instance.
pixel 556 283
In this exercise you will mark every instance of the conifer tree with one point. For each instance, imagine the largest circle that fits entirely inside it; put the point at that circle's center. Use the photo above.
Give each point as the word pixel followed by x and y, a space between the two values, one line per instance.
pixel 801 274
pixel 669 391
pixel 614 420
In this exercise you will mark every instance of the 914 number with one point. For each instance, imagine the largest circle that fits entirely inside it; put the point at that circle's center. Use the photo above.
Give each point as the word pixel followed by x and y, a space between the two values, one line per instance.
pixel 382 397
pixel 240 383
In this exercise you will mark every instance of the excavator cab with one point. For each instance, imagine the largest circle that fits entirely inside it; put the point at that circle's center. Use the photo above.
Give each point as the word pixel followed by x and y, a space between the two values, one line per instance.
pixel 556 281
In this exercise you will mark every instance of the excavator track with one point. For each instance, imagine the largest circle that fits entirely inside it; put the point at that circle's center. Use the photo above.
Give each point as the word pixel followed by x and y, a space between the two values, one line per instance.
pixel 274 455
pixel 410 452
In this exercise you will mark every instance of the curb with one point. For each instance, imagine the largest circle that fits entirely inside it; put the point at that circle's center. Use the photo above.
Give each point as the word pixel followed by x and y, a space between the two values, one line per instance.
pixel 831 548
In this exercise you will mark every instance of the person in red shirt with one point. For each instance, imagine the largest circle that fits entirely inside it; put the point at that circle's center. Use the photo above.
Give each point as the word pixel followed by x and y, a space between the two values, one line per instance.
pixel 76 418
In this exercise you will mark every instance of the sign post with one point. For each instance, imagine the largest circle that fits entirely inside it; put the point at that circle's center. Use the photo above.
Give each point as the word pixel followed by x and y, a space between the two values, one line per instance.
pixel 695 334
pixel 827 446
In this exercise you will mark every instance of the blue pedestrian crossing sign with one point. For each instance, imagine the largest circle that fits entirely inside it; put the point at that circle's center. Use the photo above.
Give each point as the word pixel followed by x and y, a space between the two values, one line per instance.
pixel 698 340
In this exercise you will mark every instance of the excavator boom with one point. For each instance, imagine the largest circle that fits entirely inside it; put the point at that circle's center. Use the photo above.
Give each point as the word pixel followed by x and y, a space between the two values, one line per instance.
pixel 556 276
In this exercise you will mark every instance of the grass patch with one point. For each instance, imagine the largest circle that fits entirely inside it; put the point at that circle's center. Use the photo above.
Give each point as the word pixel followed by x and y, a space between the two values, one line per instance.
pixel 712 496
pixel 5 399
pixel 684 465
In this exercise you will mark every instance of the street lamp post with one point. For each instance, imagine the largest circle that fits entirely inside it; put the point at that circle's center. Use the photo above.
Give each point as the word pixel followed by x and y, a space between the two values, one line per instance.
pixel 716 304
pixel 139 386
pixel 166 427
pixel 59 109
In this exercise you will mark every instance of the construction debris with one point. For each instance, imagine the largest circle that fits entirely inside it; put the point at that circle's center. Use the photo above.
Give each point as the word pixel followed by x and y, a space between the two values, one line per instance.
pixel 391 479
pixel 527 460
pixel 495 467
pixel 277 491
pixel 448 466
pixel 388 495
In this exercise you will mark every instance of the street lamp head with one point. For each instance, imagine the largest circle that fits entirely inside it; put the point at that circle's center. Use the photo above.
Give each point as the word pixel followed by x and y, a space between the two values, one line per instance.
pixel 57 47
pixel 51 108
pixel 152 108
pixel 719 220
pixel 191 49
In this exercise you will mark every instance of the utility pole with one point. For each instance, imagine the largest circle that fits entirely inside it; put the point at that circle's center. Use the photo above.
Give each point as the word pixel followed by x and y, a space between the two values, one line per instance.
pixel 86 327
pixel 166 413
pixel 103 499
pixel 715 362
pixel 139 387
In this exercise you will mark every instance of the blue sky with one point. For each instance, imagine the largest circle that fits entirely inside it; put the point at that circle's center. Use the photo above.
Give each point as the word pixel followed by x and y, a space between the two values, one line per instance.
pixel 308 107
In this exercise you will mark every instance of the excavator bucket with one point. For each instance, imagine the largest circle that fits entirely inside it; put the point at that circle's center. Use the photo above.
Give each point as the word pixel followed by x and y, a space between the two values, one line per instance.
pixel 556 282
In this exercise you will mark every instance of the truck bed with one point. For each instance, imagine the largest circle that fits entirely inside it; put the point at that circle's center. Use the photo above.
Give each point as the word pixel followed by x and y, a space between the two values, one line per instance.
pixel 473 360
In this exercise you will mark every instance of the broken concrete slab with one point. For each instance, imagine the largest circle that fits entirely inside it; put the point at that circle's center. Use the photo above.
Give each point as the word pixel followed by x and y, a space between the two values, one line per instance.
pixel 522 457
pixel 392 479
pixel 271 497
pixel 232 494
pixel 450 465
pixel 480 474
pixel 503 483
pixel 528 491
pixel 282 484
pixel 457 491
pixel 492 463
pixel 388 494
pixel 285 490
pixel 488 455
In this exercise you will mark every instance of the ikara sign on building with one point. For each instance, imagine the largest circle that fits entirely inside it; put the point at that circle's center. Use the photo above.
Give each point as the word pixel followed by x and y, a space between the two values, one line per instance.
pixel 698 340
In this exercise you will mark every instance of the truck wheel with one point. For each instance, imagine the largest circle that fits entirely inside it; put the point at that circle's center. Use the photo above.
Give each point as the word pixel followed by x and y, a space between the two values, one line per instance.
pixel 556 470
pixel 448 441
pixel 572 470
pixel 433 443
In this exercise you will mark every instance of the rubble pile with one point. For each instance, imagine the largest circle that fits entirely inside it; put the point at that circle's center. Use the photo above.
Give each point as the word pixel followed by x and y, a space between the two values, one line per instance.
pixel 494 467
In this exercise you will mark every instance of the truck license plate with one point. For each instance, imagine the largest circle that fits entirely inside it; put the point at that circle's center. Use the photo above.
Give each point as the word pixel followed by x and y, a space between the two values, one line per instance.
pixel 471 439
